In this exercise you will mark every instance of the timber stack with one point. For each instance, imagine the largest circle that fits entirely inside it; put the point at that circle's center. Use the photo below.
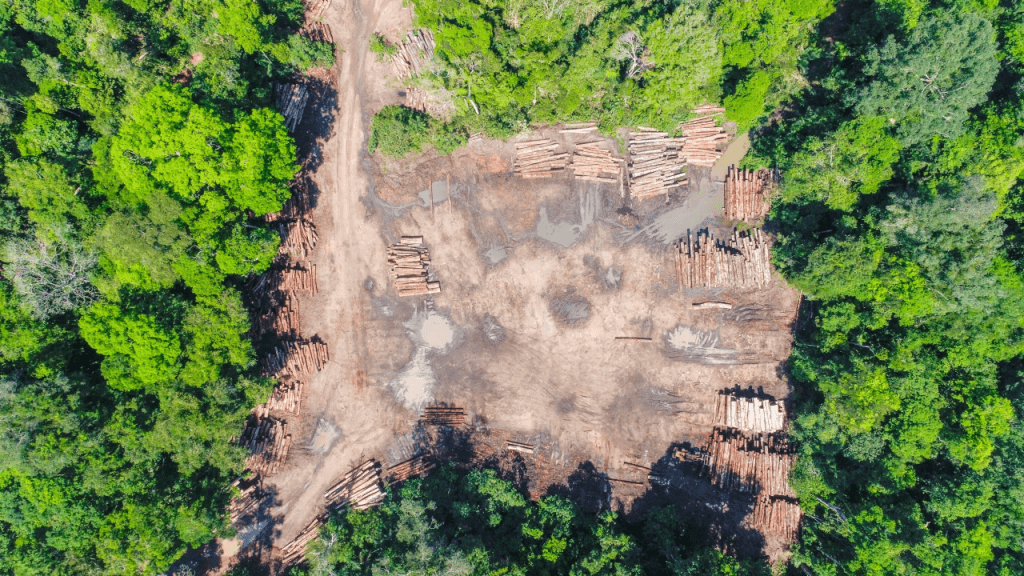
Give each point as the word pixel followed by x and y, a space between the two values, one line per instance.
pixel 247 503
pixel 702 136
pixel 359 489
pixel 656 165
pixel 758 415
pixel 299 279
pixel 297 205
pixel 267 444
pixel 291 102
pixel 294 552
pixel 409 260
pixel 776 515
pixel 298 237
pixel 748 193
pixel 279 316
pixel 594 163
pixel 316 8
pixel 744 261
pixel 521 447
pixel 412 468
pixel 286 397
pixel 539 159
pixel 318 32
pixel 443 416
pixel 295 358
pixel 756 464
pixel 413 53
pixel 580 128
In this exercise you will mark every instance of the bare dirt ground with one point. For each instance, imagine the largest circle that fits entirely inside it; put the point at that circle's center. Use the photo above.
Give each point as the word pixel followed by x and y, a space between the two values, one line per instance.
pixel 538 278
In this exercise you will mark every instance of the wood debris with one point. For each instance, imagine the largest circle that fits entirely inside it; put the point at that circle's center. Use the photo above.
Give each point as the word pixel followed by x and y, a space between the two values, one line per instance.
pixel 294 552
pixel 267 443
pixel 286 397
pixel 440 415
pixel 295 358
pixel 744 261
pixel 749 414
pixel 298 238
pixel 539 159
pixel 318 32
pixel 409 260
pixel 594 163
pixel 414 467
pixel 291 102
pixel 656 165
pixel 753 463
pixel 316 8
pixel 413 53
pixel 359 489
pixel 298 279
pixel 701 139
pixel 748 193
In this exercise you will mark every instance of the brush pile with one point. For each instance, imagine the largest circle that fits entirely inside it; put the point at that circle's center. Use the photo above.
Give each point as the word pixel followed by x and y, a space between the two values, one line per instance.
pixel 749 414
pixel 296 358
pixel 267 444
pixel 412 468
pixel 744 261
pixel 298 237
pixel 748 193
pixel 440 415
pixel 701 137
pixel 656 165
pixel 409 260
pixel 539 159
pixel 359 489
pixel 592 162
pixel 286 397
pixel 413 53
pixel 291 102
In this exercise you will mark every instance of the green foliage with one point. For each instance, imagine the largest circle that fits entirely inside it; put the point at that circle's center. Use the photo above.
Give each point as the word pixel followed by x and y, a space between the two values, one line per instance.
pixel 398 131
pixel 383 49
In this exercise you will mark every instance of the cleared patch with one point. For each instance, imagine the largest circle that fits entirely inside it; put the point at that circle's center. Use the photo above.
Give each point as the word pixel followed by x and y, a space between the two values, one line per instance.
pixel 570 308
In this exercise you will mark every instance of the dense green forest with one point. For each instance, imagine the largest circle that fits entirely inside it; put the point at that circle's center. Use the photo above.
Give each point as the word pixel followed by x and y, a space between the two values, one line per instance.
pixel 128 204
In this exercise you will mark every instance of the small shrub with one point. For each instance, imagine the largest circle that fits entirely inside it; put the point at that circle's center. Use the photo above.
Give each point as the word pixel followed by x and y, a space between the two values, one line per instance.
pixel 382 48
pixel 397 131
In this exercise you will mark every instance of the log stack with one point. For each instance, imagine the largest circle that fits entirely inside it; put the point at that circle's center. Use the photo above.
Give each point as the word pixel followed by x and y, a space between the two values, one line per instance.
pixel 756 415
pixel 298 238
pixel 318 32
pixel 656 165
pixel 267 443
pixel 296 358
pixel 748 193
pixel 702 138
pixel 247 502
pixel 280 316
pixel 415 467
pixel 756 464
pixel 413 53
pixel 777 515
pixel 294 552
pixel 443 416
pixel 359 489
pixel 409 260
pixel 291 102
pixel 299 279
pixel 744 261
pixel 539 159
pixel 286 397
pixel 579 128
pixel 521 447
pixel 297 205
pixel 316 8
pixel 594 163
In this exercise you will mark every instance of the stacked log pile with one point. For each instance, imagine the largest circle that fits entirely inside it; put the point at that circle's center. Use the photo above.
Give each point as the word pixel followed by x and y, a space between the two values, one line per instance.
pixel 748 193
pixel 443 416
pixel 318 32
pixel 316 8
pixel 749 414
pixel 267 443
pixel 519 447
pixel 415 467
pixel 298 237
pixel 296 206
pixel 757 464
pixel 776 514
pixel 286 397
pixel 298 279
pixel 702 138
pixel 291 102
pixel 580 128
pixel 280 316
pixel 592 162
pixel 409 260
pixel 359 489
pixel 247 502
pixel 413 53
pixel 744 261
pixel 295 358
pixel 294 552
pixel 539 159
pixel 656 165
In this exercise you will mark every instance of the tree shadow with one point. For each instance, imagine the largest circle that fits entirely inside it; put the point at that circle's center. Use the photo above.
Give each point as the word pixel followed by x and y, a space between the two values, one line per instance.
pixel 317 123
pixel 586 487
